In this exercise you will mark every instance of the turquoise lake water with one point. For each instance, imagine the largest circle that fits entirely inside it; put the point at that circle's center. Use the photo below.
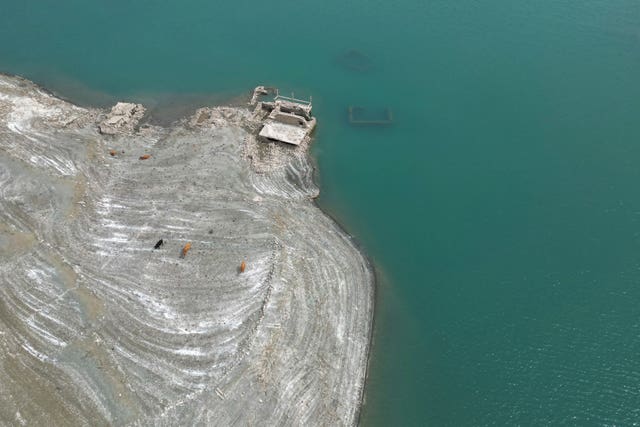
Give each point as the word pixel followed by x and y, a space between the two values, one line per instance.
pixel 502 208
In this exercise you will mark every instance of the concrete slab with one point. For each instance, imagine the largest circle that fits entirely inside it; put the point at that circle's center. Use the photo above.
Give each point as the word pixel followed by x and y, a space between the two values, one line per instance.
pixel 283 132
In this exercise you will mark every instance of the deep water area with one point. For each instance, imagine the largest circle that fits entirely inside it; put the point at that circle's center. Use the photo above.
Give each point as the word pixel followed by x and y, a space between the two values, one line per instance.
pixel 500 206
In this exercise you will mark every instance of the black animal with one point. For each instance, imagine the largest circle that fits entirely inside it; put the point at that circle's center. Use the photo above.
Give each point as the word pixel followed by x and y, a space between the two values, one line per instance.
pixel 158 244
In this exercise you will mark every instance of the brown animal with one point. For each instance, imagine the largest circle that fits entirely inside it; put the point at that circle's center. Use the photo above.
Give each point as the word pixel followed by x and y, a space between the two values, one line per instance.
pixel 185 249
pixel 145 156
pixel 113 152
pixel 243 266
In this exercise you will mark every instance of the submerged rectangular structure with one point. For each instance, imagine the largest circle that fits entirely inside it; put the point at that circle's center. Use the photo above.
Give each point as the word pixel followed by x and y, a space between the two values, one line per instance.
pixel 364 116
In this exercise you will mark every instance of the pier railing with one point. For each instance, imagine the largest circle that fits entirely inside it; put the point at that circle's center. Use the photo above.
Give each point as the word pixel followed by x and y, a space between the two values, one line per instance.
pixel 292 98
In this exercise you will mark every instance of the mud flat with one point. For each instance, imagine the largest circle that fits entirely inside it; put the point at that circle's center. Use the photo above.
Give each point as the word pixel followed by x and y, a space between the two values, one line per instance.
pixel 97 327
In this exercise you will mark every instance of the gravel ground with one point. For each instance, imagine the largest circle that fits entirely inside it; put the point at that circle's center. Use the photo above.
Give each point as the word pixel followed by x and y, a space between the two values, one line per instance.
pixel 98 327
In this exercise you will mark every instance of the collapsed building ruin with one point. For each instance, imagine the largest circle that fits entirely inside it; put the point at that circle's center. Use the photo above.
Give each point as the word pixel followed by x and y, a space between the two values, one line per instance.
pixel 285 119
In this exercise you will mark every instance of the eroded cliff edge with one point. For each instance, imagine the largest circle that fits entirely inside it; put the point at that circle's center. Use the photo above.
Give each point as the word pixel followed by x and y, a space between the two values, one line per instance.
pixel 97 327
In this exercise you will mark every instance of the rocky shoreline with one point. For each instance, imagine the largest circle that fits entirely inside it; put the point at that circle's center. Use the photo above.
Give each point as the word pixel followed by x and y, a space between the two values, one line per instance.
pixel 98 327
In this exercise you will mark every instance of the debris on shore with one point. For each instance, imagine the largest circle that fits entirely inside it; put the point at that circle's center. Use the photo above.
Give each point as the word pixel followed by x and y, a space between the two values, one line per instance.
pixel 186 248
pixel 122 119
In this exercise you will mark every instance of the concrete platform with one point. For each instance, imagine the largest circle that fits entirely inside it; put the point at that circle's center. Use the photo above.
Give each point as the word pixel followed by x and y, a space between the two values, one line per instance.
pixel 290 134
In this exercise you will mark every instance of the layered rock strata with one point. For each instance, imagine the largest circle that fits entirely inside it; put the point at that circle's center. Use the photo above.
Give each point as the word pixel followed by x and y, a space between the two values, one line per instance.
pixel 99 328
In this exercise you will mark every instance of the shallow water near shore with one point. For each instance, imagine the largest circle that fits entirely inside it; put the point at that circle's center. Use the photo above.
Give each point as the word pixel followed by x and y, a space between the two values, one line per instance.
pixel 501 206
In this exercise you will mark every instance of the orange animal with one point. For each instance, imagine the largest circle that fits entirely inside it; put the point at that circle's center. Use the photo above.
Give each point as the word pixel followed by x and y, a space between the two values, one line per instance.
pixel 145 157
pixel 113 152
pixel 243 265
pixel 185 249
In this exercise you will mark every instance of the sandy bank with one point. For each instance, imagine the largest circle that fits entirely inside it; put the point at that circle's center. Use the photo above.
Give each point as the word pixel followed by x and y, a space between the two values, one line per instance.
pixel 97 327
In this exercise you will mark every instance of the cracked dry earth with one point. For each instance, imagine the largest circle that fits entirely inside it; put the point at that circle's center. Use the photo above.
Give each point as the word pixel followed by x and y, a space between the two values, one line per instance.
pixel 98 328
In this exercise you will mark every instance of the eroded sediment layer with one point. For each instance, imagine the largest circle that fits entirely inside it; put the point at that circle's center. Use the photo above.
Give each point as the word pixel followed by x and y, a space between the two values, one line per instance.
pixel 97 327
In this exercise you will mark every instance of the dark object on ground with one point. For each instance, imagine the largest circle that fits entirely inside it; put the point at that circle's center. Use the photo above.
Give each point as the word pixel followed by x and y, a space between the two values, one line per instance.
pixel 354 60
pixel 158 244
pixel 243 266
